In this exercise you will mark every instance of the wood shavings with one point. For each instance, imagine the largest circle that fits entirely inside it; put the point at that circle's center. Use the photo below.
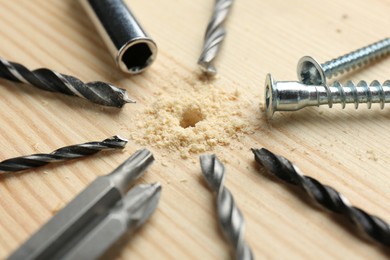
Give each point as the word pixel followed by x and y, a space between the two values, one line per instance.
pixel 193 121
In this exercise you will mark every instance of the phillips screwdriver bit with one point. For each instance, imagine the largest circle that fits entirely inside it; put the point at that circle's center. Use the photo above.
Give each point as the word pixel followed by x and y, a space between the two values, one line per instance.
pixel 97 92
pixel 230 216
pixel 92 204
pixel 326 196
pixel 215 34
pixel 127 215
pixel 62 154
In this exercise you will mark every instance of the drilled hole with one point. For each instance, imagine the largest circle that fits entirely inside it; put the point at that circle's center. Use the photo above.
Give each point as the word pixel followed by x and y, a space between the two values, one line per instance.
pixel 190 117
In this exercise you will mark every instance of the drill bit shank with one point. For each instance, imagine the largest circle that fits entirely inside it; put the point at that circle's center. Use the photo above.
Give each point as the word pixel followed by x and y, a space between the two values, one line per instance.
pixel 127 215
pixel 63 154
pixel 326 196
pixel 230 216
pixel 215 34
pixel 97 92
pixel 90 205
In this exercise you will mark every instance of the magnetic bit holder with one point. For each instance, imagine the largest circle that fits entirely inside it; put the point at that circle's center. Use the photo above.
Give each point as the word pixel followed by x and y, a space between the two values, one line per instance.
pixel 132 49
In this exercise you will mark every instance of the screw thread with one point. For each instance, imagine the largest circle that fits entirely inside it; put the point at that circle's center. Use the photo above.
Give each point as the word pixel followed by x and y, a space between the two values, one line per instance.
pixel 356 58
pixel 358 93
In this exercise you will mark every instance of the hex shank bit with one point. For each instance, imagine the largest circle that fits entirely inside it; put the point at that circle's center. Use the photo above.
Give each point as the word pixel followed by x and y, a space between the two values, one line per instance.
pixel 127 215
pixel 97 92
pixel 375 227
pixel 230 216
pixel 62 154
pixel 214 36
pixel 55 237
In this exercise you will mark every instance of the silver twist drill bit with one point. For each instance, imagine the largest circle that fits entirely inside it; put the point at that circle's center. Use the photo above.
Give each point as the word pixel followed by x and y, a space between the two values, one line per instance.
pixel 62 154
pixel 97 92
pixel 292 95
pixel 60 233
pixel 230 216
pixel 310 72
pixel 128 214
pixel 215 34
pixel 326 196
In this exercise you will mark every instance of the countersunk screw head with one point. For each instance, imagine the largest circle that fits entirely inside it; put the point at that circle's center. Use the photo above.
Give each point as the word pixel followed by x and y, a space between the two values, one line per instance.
pixel 310 72
pixel 270 96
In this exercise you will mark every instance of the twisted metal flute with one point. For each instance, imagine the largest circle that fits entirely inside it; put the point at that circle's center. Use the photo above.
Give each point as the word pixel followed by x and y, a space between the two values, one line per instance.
pixel 97 92
pixel 215 34
pixel 326 196
pixel 230 216
pixel 62 154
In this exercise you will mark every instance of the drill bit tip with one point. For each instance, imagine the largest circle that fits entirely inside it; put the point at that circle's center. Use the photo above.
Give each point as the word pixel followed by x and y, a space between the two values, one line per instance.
pixel 326 196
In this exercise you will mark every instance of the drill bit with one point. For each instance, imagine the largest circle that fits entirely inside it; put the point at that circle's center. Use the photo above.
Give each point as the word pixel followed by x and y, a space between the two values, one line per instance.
pixel 91 205
pixel 62 154
pixel 127 215
pixel 215 34
pixel 230 217
pixel 326 196
pixel 97 92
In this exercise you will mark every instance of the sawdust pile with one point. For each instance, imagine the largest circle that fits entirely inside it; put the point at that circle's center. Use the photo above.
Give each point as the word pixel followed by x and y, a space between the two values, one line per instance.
pixel 193 121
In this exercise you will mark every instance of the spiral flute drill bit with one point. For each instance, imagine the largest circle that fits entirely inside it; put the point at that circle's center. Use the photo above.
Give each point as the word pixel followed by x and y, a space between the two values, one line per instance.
pixel 326 196
pixel 97 92
pixel 230 216
pixel 63 154
pixel 215 34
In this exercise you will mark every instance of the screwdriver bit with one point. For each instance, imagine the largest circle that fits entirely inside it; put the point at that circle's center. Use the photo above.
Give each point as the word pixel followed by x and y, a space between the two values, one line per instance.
pixel 230 217
pixel 97 92
pixel 62 154
pixel 127 215
pixel 326 196
pixel 92 204
pixel 215 34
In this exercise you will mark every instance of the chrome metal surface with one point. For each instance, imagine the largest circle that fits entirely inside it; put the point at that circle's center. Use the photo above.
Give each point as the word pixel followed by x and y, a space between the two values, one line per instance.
pixel 292 95
pixel 132 49
pixel 311 72
pixel 127 215
pixel 55 238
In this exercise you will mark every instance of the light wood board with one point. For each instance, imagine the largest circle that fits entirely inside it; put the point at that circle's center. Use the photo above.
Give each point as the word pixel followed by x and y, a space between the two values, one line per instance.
pixel 345 149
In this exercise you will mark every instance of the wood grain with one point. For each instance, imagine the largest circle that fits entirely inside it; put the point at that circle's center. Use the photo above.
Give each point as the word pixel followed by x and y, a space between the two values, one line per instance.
pixel 346 149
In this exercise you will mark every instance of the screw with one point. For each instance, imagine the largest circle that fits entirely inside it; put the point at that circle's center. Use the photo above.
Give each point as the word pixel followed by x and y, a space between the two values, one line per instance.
pixel 293 95
pixel 310 72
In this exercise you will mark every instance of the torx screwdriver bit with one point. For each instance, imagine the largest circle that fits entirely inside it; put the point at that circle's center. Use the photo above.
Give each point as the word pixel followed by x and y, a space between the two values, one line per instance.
pixel 97 92
pixel 127 215
pixel 215 34
pixel 326 196
pixel 90 205
pixel 230 216
pixel 62 154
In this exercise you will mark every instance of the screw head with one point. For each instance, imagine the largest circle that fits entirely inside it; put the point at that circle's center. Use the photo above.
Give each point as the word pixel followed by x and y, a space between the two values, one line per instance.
pixel 270 96
pixel 310 72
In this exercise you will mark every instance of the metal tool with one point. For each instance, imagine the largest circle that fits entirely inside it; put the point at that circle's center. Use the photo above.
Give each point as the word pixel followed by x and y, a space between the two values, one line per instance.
pixel 215 34
pixel 292 95
pixel 62 154
pixel 127 215
pixel 310 72
pixel 92 204
pixel 230 217
pixel 326 196
pixel 97 92
pixel 132 49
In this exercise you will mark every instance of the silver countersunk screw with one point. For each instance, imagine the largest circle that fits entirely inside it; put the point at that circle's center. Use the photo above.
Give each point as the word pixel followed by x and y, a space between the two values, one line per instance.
pixel 293 95
pixel 310 72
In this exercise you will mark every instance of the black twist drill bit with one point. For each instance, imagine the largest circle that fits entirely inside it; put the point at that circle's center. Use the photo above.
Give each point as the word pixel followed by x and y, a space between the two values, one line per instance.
pixel 326 196
pixel 230 216
pixel 97 92
pixel 62 154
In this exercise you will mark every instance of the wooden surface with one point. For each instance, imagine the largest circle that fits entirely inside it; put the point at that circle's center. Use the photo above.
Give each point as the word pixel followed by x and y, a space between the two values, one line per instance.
pixel 346 149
